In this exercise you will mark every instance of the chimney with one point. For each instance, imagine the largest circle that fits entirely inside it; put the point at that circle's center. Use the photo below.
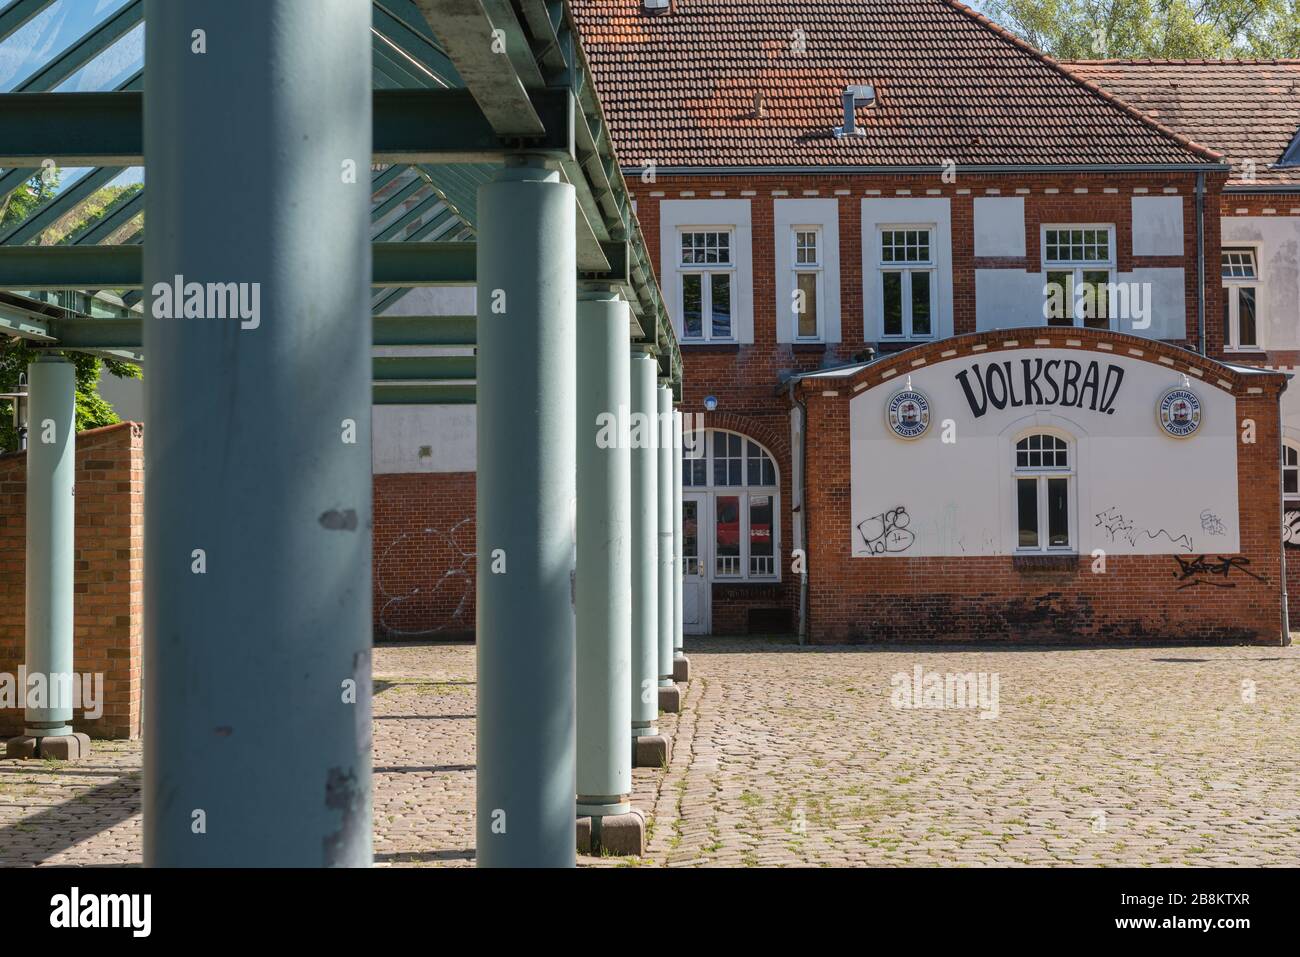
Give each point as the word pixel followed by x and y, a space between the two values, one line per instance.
pixel 855 98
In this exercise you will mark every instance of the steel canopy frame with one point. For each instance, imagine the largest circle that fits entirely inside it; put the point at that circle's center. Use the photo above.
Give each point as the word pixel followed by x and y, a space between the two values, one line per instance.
pixel 441 106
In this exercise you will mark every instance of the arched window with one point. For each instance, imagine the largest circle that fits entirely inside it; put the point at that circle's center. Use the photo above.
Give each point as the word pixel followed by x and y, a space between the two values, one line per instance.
pixel 736 508
pixel 1043 475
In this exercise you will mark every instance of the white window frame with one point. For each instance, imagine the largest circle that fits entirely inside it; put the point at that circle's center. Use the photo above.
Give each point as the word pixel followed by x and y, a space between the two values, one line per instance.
pixel 707 271
pixel 1076 267
pixel 745 491
pixel 1232 286
pixel 1290 500
pixel 1042 474
pixel 929 265
pixel 818 269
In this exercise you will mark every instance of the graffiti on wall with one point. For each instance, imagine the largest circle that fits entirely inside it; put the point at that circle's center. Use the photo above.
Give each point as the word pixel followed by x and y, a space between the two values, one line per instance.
pixel 1215 572
pixel 1120 528
pixel 888 531
pixel 455 581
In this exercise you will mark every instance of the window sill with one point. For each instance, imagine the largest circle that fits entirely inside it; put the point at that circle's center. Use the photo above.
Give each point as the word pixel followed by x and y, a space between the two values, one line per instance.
pixel 693 345
pixel 1045 561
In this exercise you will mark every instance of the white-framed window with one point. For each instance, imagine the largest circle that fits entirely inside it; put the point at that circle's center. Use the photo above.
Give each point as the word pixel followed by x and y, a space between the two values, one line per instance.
pixel 1079 265
pixel 1043 477
pixel 707 270
pixel 1240 299
pixel 738 477
pixel 1290 475
pixel 808 283
pixel 908 282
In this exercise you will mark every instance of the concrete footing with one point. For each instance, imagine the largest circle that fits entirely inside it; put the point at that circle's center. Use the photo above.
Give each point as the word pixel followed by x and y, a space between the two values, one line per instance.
pixel 670 699
pixel 621 834
pixel 63 747
pixel 652 751
pixel 682 669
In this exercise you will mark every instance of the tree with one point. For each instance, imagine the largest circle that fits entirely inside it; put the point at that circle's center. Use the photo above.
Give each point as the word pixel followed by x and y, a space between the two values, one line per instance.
pixel 1157 29
pixel 15 354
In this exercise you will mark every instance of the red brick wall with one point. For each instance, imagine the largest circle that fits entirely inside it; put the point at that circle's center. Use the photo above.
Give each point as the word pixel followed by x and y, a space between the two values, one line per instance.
pixel 991 599
pixel 108 576
pixel 424 540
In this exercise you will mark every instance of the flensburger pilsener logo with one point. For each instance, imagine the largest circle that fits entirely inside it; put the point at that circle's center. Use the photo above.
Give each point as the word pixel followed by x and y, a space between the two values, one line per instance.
pixel 1037 382
pixel 179 299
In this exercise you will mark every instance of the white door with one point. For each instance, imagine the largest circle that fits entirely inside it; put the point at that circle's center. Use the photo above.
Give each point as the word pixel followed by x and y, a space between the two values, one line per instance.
pixel 695 563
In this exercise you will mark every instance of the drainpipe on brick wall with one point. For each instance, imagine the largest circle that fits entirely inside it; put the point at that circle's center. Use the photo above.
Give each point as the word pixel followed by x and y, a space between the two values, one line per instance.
pixel 1281 466
pixel 1200 259
pixel 802 466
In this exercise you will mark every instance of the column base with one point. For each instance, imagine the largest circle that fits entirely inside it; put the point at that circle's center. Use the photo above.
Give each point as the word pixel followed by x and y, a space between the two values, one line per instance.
pixel 63 747
pixel 619 834
pixel 670 699
pixel 652 751
pixel 682 669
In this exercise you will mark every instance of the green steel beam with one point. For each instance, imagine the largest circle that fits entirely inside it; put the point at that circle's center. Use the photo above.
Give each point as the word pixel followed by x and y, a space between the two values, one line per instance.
pixel 429 204
pixel 411 126
pixel 33 326
pixel 468 34
pixel 416 45
pixel 120 267
pixel 386 206
pixel 424 393
pixel 424 368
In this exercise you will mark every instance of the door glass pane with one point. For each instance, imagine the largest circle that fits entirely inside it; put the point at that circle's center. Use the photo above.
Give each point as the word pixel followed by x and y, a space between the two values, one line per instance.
pixel 893 309
pixel 1228 293
pixel 1027 506
pixel 690 538
pixel 808 299
pixel 720 291
pixel 762 561
pixel 727 534
pixel 1096 300
pixel 1058 513
pixel 1246 315
pixel 920 303
pixel 1060 293
pixel 1291 481
pixel 693 305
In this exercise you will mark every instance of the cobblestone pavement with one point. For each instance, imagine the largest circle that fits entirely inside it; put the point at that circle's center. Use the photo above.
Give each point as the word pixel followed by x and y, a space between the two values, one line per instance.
pixel 787 756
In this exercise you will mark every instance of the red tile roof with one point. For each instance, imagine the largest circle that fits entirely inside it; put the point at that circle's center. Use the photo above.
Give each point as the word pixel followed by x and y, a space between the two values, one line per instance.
pixel 678 89
pixel 1248 109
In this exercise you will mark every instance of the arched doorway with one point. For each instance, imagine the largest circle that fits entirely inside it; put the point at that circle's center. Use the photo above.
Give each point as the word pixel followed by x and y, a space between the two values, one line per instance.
pixel 730 519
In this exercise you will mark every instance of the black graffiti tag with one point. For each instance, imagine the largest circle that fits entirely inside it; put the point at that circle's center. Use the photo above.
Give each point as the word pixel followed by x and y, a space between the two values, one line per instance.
pixel 888 531
pixel 1198 571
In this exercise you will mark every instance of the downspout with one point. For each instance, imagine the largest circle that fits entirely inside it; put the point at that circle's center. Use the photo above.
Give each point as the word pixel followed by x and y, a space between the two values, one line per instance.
pixel 802 466
pixel 1281 463
pixel 1200 259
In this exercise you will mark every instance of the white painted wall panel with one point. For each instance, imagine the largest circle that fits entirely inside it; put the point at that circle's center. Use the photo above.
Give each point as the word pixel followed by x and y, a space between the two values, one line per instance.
pixel 1136 490
pixel 401 432
pixel 1157 225
pixel 1000 226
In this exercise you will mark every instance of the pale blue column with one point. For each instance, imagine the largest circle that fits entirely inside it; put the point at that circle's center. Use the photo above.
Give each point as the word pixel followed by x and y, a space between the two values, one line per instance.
pixel 667 524
pixel 527 428
pixel 257 132
pixel 51 467
pixel 645 547
pixel 679 652
pixel 604 584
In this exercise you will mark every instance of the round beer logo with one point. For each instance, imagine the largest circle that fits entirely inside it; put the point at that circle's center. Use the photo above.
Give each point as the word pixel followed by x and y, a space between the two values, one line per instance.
pixel 1179 412
pixel 908 414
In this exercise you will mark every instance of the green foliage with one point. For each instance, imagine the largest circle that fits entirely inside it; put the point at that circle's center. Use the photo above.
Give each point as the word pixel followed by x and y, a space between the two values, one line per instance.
pixel 1157 29
pixel 92 410
pixel 15 355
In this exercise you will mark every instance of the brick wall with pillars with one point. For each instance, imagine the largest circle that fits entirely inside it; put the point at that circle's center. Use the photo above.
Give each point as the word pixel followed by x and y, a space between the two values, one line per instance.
pixel 108 599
